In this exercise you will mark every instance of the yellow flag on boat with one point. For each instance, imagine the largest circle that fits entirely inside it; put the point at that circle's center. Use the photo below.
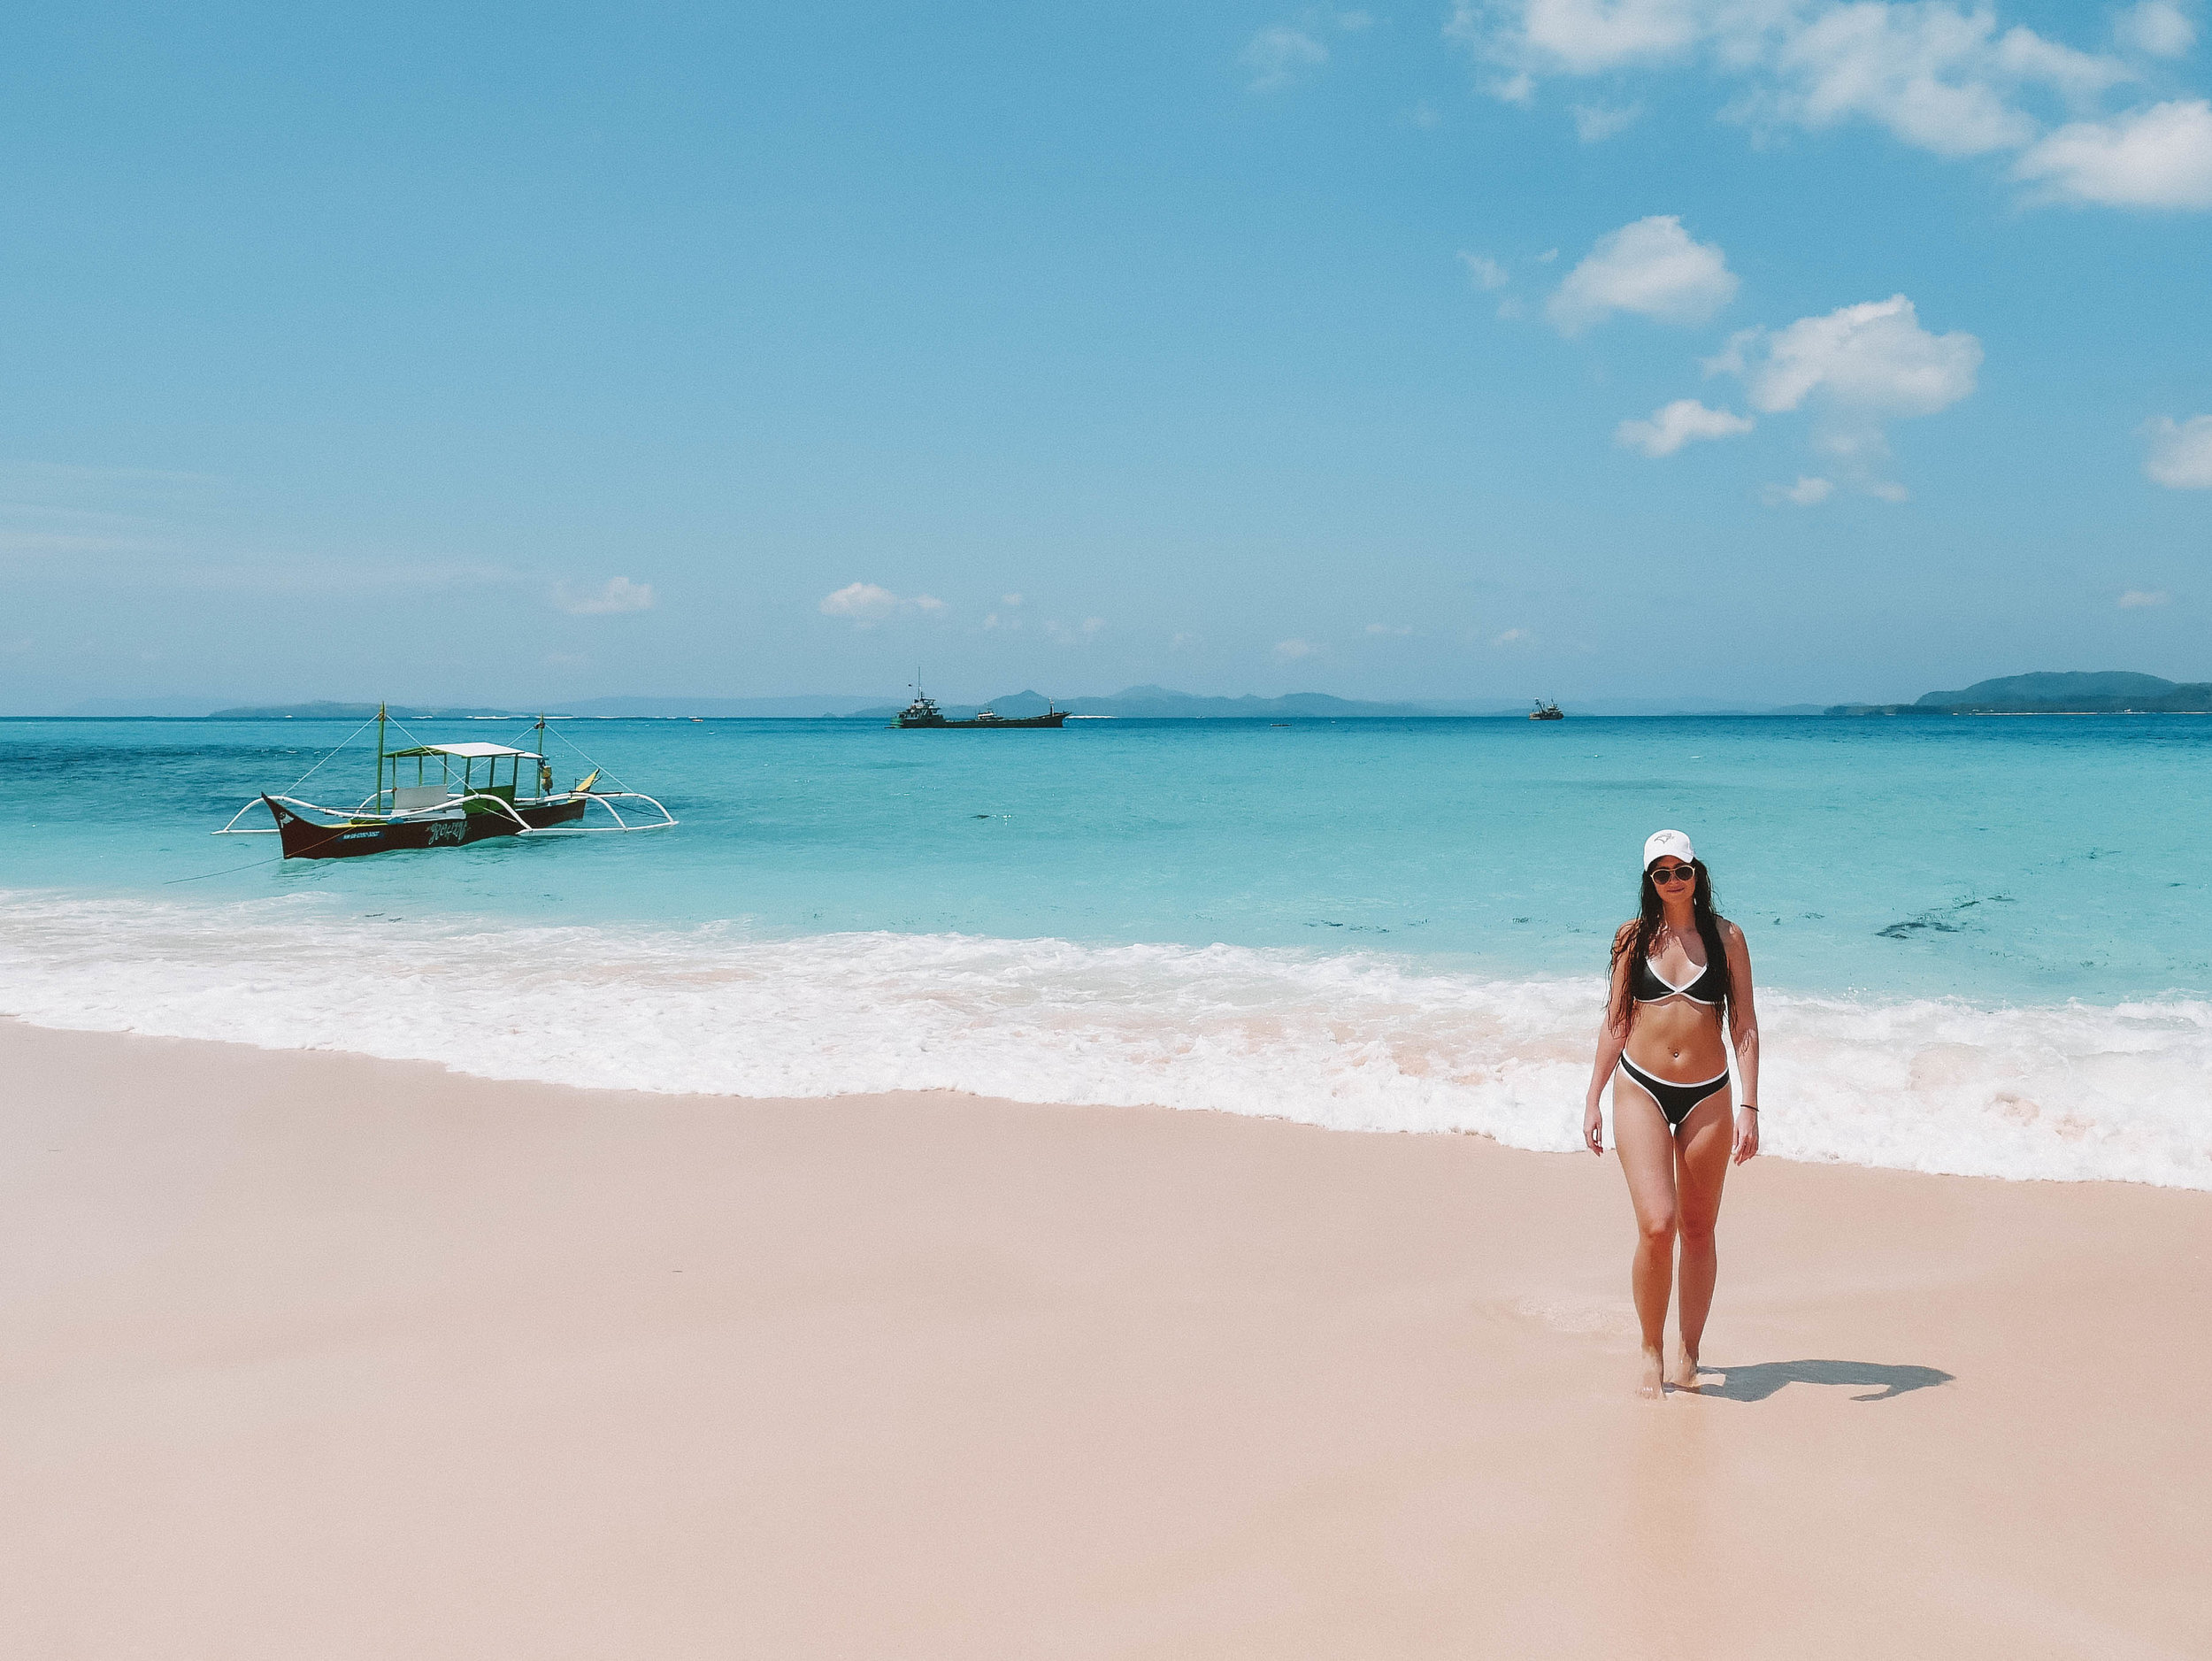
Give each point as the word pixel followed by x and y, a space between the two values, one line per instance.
pixel 589 780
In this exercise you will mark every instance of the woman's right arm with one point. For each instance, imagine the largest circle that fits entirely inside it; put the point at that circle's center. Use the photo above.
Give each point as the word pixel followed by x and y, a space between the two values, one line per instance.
pixel 1612 1040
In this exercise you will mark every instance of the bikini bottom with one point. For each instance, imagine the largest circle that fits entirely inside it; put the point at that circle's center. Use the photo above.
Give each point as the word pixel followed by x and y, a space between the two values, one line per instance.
pixel 1675 1100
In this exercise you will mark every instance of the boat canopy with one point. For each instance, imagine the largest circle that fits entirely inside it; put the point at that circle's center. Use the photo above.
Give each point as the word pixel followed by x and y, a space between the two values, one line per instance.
pixel 466 752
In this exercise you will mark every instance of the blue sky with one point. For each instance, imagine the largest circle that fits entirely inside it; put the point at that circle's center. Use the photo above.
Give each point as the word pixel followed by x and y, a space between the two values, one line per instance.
pixel 1771 349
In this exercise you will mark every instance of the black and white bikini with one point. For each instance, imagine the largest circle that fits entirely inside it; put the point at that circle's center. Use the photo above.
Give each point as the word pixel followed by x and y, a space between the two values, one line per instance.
pixel 1647 985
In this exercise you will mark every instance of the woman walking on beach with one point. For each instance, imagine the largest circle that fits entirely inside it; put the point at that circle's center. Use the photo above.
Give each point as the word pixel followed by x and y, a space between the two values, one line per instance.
pixel 1681 973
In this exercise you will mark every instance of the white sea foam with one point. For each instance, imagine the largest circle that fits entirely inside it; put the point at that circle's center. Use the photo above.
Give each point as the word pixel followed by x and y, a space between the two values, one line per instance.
pixel 1352 1041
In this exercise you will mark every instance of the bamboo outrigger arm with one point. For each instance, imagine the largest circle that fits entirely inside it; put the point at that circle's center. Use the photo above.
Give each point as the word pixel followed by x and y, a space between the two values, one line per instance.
pixel 604 798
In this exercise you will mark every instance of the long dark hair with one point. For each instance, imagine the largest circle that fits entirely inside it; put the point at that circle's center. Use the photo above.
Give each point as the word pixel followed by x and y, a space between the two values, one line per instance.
pixel 1634 941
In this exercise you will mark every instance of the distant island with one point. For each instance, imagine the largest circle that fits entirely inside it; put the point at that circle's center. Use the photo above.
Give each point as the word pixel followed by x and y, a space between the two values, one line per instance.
pixel 2104 692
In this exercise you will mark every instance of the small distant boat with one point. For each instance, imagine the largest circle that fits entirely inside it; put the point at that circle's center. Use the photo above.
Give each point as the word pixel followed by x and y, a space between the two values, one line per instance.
pixel 1545 711
pixel 924 713
pixel 444 812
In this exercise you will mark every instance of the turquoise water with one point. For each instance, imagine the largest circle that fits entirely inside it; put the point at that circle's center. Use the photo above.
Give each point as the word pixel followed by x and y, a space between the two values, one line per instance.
pixel 2012 909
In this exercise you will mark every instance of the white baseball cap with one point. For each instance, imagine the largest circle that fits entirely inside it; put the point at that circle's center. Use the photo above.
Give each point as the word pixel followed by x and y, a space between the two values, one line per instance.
pixel 1668 841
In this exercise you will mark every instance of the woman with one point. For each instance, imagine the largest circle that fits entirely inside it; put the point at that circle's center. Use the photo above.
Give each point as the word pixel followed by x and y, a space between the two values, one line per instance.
pixel 1681 972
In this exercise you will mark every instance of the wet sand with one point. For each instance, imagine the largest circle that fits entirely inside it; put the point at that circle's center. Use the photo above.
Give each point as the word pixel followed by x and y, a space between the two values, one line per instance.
pixel 307 1354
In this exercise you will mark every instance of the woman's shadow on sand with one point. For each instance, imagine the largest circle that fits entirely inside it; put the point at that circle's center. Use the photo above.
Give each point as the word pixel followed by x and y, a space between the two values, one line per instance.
pixel 1756 1383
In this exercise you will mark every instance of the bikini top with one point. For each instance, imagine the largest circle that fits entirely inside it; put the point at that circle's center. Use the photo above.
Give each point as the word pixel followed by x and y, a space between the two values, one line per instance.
pixel 1649 986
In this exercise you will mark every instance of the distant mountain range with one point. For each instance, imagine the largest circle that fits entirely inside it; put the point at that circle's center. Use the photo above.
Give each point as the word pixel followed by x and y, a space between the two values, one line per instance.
pixel 1161 704
pixel 2104 692
pixel 1164 703
pixel 804 707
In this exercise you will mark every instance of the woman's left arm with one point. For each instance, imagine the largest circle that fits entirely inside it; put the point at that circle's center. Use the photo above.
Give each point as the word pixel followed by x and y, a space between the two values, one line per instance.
pixel 1744 1023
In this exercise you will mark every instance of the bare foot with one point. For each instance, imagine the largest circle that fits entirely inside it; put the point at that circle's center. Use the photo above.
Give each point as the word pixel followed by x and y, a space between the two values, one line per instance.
pixel 1650 1374
pixel 1683 1375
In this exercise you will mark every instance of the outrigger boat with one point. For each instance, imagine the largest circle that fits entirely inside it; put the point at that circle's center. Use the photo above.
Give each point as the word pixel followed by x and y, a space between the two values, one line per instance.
pixel 446 811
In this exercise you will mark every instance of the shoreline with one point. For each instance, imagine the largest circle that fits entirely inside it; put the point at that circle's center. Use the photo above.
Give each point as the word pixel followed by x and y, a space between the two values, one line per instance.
pixel 314 1353
pixel 1360 1038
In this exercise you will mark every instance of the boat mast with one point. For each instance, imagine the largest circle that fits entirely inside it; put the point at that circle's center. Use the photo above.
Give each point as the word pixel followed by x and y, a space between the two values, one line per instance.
pixel 379 759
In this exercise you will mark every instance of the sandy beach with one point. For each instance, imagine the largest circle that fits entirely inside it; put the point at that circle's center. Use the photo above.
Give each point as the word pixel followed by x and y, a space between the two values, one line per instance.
pixel 313 1355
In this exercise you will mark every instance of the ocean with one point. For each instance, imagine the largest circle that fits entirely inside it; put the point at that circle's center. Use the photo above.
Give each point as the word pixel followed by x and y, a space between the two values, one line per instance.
pixel 1982 945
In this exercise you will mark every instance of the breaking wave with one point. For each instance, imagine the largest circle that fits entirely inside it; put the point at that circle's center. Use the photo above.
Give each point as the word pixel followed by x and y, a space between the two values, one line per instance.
pixel 1350 1040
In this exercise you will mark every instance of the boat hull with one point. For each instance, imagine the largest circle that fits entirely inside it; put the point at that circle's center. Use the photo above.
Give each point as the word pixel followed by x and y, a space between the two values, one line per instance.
pixel 1052 720
pixel 302 838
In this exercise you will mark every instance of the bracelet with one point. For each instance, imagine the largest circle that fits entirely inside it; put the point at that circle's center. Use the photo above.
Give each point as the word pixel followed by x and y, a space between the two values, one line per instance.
pixel 1749 1107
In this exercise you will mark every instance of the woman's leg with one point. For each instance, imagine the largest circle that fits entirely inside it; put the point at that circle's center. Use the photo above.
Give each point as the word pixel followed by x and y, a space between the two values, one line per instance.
pixel 1646 1150
pixel 1701 1147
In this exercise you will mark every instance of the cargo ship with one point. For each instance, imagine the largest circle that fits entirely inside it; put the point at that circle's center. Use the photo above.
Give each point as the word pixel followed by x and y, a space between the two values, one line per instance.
pixel 924 713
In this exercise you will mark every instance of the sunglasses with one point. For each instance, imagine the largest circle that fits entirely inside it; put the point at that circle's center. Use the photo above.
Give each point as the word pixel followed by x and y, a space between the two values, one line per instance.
pixel 1674 873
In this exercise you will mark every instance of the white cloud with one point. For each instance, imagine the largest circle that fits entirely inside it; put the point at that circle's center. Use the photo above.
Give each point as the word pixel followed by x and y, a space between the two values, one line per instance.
pixel 2158 27
pixel 1291 650
pixel 1595 123
pixel 1278 56
pixel 2180 456
pixel 1424 117
pixel 866 604
pixel 1061 634
pixel 1855 369
pixel 1282 54
pixel 1651 268
pixel 1805 493
pixel 1677 424
pixel 1581 37
pixel 1936 76
pixel 1872 360
pixel 1483 271
pixel 620 594
pixel 1010 599
pixel 1911 69
pixel 1511 637
pixel 2157 157
pixel 1390 629
pixel 2135 598
pixel 1941 75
